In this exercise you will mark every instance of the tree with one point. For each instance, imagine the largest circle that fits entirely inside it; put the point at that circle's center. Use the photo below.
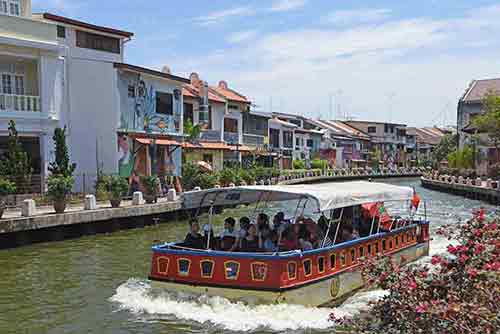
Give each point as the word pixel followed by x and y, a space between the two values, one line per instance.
pixel 192 131
pixel 16 163
pixel 61 165
pixel 489 122
pixel 447 145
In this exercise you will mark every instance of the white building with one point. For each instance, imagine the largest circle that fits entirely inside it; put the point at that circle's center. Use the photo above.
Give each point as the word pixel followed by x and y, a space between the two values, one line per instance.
pixel 31 82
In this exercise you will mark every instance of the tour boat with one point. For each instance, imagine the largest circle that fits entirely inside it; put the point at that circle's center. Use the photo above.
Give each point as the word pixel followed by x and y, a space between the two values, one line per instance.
pixel 318 277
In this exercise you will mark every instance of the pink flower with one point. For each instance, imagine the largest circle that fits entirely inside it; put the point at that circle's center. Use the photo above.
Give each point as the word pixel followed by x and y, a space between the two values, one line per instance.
pixel 421 308
pixel 492 226
pixel 436 259
pixel 478 249
pixel 412 285
pixel 452 250
pixel 463 258
pixel 472 272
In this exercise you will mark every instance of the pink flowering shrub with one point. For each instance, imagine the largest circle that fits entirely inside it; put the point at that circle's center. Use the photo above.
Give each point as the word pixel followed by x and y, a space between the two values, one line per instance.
pixel 459 293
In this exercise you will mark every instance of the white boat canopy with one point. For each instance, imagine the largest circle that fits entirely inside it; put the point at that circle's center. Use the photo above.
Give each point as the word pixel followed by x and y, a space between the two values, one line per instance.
pixel 326 196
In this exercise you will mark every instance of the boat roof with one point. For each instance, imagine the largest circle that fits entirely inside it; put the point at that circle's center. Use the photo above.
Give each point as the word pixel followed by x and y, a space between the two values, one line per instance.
pixel 327 196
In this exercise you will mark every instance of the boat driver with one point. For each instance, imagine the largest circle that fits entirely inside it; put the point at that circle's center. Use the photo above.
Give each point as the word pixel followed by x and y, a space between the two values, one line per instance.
pixel 194 239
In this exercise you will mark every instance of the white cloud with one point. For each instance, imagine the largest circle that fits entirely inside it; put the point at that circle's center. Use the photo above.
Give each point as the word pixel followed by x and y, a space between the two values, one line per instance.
pixel 286 5
pixel 426 62
pixel 241 36
pixel 222 15
pixel 357 16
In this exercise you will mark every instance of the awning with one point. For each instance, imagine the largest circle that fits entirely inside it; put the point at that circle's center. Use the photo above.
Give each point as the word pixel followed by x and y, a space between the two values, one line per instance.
pixel 164 142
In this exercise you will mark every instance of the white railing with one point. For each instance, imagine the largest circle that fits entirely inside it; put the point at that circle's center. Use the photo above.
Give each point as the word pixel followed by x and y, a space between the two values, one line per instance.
pixel 10 102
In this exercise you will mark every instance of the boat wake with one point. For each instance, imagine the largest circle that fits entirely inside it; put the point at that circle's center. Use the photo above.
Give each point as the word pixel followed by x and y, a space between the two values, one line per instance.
pixel 139 298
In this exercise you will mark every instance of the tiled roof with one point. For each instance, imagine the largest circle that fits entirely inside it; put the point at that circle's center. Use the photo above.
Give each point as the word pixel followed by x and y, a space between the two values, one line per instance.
pixel 478 89
pixel 191 91
pixel 284 123
pixel 229 94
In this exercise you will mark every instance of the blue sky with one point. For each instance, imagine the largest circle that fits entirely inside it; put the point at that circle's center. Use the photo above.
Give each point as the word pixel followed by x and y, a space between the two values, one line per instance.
pixel 373 60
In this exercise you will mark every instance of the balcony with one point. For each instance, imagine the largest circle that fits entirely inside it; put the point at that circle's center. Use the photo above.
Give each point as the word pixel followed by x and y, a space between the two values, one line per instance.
pixel 210 135
pixel 231 137
pixel 253 140
pixel 10 102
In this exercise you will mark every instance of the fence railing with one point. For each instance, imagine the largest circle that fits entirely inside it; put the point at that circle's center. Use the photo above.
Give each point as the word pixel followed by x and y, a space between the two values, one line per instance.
pixel 12 102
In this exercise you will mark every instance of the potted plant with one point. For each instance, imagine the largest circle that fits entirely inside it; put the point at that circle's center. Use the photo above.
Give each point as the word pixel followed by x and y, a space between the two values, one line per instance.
pixel 117 187
pixel 151 184
pixel 59 187
pixel 6 188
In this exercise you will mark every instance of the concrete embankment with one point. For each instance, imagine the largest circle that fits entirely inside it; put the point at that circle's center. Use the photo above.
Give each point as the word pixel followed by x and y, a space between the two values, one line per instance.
pixel 45 225
pixel 480 190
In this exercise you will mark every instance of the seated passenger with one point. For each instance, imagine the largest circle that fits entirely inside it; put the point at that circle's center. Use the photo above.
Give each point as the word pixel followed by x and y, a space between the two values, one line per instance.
pixel 304 240
pixel 251 243
pixel 289 239
pixel 243 231
pixel 262 221
pixel 229 236
pixel 194 239
pixel 270 241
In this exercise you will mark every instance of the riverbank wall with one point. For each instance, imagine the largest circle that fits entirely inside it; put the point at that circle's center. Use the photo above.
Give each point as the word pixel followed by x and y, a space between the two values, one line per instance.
pixel 478 189
pixel 45 225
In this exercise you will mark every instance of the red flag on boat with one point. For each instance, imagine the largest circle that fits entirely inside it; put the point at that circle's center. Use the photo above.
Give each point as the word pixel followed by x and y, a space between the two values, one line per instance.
pixel 379 211
pixel 415 201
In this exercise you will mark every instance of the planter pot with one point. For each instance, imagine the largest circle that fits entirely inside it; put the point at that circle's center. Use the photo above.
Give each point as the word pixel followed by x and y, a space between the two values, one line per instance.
pixel 60 205
pixel 150 199
pixel 115 202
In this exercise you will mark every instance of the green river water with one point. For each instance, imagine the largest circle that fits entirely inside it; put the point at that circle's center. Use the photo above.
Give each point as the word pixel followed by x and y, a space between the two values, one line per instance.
pixel 97 284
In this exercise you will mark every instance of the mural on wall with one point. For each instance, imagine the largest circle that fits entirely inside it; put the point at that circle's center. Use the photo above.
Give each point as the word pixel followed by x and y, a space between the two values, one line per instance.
pixel 143 117
pixel 165 160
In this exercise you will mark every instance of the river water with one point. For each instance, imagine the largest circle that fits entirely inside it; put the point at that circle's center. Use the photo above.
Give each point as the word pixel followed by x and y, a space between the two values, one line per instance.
pixel 97 284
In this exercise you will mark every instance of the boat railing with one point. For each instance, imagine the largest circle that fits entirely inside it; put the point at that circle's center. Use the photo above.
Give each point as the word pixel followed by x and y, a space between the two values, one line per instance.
pixel 178 248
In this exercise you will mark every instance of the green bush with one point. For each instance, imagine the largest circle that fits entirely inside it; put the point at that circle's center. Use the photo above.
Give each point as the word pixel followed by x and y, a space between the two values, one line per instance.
pixel 299 164
pixel 193 176
pixel 319 164
pixel 6 187
pixel 117 186
pixel 151 184
pixel 59 186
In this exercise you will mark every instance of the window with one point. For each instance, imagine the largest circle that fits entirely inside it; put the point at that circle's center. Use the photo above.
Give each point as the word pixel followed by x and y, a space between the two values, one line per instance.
pixel 384 245
pixel 162 265
pixel 131 91
pixel 342 259
pixel 88 40
pixel 274 135
pixel 287 138
pixel 369 250
pixel 390 243
pixel 231 270
pixel 307 267
pixel 372 129
pixel 386 128
pixel 207 268
pixel 353 255
pixel 297 142
pixel 10 7
pixel 333 261
pixel 259 271
pixel 188 112
pixel 392 128
pixel 397 241
pixel 183 266
pixel 230 125
pixel 233 107
pixel 292 270
pixel 61 31
pixel 321 264
pixel 310 143
pixel 361 251
pixel 376 248
pixel 6 83
pixel 205 118
pixel 164 103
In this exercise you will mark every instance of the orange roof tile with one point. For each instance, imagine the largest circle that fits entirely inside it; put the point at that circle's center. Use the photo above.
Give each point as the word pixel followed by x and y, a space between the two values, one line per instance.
pixel 229 94
pixel 191 91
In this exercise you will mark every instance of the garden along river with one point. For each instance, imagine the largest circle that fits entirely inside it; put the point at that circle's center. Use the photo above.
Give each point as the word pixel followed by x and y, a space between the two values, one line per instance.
pixel 98 284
